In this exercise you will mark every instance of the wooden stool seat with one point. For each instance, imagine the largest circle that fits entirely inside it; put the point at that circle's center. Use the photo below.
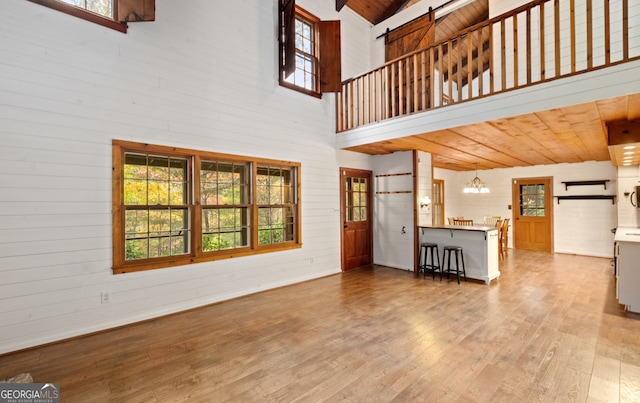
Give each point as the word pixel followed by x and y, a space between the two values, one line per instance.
pixel 446 261
pixel 423 258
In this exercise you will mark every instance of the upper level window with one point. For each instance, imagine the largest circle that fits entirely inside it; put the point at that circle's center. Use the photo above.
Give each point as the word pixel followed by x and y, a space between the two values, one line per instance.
pixel 176 206
pixel 109 13
pixel 305 74
pixel 309 51
pixel 102 7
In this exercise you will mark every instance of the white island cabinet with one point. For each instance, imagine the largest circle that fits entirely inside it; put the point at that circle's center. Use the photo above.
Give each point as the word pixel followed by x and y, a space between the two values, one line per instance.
pixel 479 244
pixel 628 267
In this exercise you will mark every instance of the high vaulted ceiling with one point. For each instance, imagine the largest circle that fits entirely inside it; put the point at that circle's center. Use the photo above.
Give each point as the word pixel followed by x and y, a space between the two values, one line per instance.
pixel 375 11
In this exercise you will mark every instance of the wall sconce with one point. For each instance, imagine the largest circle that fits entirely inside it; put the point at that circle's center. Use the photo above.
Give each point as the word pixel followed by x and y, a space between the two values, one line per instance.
pixel 425 201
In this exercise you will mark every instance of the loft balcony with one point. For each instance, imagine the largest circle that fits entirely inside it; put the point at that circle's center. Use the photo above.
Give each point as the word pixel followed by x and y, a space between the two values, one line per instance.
pixel 537 85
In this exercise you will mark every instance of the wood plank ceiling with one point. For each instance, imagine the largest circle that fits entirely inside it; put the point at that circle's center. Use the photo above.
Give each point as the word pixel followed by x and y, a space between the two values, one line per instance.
pixel 565 135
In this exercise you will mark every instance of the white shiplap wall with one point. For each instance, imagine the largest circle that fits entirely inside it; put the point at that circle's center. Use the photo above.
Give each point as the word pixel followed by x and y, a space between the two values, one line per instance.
pixel 393 211
pixel 202 76
pixel 425 188
pixel 581 227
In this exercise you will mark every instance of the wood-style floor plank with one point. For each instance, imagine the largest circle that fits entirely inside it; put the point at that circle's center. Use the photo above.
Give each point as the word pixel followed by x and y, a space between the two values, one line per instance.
pixel 548 330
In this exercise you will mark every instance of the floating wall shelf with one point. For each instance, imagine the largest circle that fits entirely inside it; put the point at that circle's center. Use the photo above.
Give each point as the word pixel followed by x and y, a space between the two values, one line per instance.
pixel 588 197
pixel 602 182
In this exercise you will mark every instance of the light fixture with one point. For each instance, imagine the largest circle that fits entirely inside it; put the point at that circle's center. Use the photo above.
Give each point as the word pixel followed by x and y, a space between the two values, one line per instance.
pixel 476 185
pixel 425 201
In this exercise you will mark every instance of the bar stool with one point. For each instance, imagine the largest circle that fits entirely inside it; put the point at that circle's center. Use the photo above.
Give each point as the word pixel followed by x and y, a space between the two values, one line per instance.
pixel 446 258
pixel 423 259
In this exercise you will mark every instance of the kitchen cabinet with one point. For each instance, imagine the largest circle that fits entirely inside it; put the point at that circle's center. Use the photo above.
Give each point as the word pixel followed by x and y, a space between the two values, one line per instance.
pixel 628 267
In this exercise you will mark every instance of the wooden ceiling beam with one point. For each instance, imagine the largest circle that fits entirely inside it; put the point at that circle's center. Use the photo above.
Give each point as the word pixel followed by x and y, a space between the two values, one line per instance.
pixel 340 4
pixel 392 9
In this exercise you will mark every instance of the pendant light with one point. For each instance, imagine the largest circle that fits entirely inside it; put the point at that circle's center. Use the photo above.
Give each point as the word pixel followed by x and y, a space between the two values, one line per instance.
pixel 476 185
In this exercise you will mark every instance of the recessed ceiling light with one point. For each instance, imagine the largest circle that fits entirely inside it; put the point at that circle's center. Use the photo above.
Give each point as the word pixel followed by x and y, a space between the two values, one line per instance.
pixel 629 152
pixel 629 147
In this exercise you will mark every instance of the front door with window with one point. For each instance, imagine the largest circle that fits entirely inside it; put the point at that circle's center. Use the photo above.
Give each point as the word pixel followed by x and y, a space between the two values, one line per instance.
pixel 533 215
pixel 357 228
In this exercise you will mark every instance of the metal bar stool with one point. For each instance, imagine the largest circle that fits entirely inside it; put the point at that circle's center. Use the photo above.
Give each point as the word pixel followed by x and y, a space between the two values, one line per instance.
pixel 446 258
pixel 423 259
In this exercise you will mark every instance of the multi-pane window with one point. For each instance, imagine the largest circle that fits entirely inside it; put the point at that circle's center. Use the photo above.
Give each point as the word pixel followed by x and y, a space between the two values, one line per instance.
pixel 112 14
pixel 310 59
pixel 305 74
pixel 356 199
pixel 176 206
pixel 224 196
pixel 101 7
pixel 532 200
pixel 275 197
pixel 156 199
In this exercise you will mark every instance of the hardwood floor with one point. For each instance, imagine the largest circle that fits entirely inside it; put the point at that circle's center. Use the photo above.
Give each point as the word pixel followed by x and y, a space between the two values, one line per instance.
pixel 549 330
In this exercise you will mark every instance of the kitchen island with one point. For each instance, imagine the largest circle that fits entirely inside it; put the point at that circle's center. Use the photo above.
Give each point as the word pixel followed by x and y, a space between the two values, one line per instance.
pixel 479 242
pixel 627 253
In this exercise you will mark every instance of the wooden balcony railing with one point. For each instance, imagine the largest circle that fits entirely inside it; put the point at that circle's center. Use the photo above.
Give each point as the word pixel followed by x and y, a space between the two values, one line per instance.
pixel 541 41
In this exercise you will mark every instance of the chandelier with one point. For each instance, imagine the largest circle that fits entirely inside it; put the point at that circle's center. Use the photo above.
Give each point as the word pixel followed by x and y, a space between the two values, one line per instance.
pixel 476 185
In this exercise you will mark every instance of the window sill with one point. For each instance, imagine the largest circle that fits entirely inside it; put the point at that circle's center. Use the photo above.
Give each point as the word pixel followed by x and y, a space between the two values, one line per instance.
pixel 300 89
pixel 174 261
pixel 83 14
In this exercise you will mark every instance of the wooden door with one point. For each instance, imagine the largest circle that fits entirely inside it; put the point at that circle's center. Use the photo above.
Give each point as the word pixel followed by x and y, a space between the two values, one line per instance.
pixel 533 214
pixel 438 202
pixel 356 212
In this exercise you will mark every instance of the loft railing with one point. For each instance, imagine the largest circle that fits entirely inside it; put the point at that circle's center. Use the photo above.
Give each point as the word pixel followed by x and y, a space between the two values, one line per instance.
pixel 541 41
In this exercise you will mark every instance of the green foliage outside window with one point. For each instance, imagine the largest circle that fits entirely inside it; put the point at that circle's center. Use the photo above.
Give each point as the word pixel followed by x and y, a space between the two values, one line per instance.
pixel 102 7
pixel 155 193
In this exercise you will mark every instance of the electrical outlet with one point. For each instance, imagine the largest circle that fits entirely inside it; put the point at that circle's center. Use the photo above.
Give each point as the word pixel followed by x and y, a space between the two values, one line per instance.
pixel 105 297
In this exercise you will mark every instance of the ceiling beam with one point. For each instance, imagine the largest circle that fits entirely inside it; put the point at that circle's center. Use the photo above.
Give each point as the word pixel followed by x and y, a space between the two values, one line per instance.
pixel 340 4
pixel 394 7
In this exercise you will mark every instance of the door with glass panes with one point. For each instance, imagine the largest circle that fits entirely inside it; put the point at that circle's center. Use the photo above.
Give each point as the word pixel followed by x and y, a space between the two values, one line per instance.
pixel 356 212
pixel 533 214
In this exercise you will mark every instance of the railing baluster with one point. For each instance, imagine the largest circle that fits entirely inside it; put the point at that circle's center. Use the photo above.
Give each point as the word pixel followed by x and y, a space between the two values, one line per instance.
pixel 480 61
pixel 572 18
pixel 516 65
pixel 503 55
pixel 543 62
pixel 492 65
pixel 450 70
pixel 393 90
pixel 423 80
pixel 556 23
pixel 607 33
pixel 459 56
pixel 470 42
pixel 528 34
pixel 432 78
pixel 416 84
pixel 625 30
pixel 440 74
pixel 589 35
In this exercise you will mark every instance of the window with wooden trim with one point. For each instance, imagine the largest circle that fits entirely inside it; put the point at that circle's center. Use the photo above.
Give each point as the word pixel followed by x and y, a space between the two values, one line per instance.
pixel 112 14
pixel 310 59
pixel 173 206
